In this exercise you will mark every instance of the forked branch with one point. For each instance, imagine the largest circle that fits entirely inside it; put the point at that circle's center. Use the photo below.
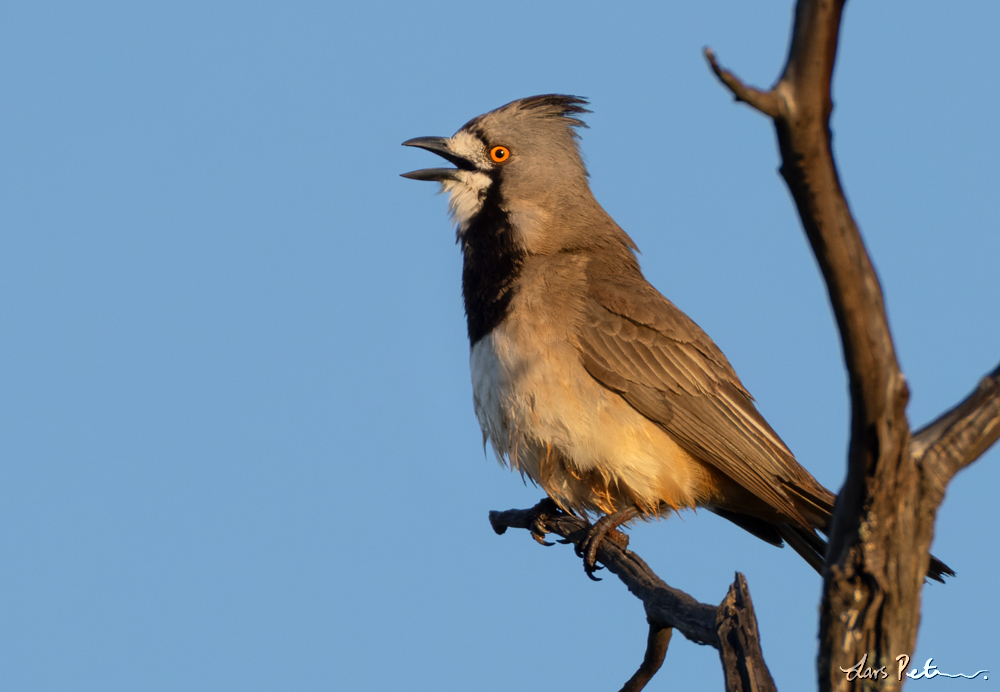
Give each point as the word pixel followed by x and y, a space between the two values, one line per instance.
pixel 884 517
pixel 730 627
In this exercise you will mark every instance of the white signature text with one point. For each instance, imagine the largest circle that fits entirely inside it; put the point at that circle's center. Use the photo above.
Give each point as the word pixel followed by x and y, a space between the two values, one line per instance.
pixel 860 671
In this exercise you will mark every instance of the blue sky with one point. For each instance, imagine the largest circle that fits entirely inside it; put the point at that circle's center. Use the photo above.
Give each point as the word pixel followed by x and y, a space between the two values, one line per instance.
pixel 237 448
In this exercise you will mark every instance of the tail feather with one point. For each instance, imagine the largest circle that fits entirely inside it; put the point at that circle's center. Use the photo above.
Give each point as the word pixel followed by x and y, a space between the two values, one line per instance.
pixel 816 502
pixel 812 548
pixel 806 542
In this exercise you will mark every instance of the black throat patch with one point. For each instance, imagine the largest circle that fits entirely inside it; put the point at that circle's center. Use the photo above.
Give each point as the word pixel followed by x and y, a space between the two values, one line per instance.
pixel 492 264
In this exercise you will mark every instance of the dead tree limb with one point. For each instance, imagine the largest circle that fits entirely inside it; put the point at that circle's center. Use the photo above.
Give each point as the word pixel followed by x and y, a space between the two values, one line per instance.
pixel 730 627
pixel 960 436
pixel 884 517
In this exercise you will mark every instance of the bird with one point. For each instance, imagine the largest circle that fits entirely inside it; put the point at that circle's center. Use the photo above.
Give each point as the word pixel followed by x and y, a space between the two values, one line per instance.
pixel 585 378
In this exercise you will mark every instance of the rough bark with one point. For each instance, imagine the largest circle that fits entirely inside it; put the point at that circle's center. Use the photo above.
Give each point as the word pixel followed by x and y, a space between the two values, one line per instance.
pixel 884 517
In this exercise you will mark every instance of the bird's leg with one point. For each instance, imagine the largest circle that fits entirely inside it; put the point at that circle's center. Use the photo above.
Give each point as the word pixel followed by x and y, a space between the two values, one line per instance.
pixel 539 513
pixel 605 527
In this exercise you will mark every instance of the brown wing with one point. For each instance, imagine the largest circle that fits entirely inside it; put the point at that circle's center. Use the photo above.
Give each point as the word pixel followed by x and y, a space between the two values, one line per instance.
pixel 637 343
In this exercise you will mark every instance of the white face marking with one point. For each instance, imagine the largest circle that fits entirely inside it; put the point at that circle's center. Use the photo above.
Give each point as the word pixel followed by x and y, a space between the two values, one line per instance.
pixel 466 194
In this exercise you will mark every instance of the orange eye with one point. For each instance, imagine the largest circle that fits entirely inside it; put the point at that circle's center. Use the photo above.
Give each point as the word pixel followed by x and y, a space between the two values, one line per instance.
pixel 499 154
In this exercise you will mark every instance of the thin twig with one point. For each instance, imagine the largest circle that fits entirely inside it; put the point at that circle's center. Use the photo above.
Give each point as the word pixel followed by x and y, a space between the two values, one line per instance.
pixel 764 101
pixel 656 650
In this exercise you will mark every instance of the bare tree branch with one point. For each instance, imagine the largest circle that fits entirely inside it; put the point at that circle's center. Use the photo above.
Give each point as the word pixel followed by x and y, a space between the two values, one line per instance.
pixel 739 657
pixel 884 517
pixel 656 651
pixel 730 627
pixel 963 434
pixel 764 101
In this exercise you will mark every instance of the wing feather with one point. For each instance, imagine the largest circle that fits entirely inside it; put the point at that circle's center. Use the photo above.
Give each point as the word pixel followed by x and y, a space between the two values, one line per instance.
pixel 637 343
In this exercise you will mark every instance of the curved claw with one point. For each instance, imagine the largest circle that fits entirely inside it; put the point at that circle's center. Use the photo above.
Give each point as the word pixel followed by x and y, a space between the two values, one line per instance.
pixel 538 530
pixel 590 568
pixel 587 548
pixel 540 539
pixel 541 512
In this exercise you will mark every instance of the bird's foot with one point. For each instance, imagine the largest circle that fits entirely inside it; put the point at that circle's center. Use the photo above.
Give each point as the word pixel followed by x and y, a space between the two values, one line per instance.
pixel 604 528
pixel 539 513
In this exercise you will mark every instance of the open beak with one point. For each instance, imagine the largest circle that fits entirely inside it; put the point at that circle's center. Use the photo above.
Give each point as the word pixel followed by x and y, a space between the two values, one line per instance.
pixel 439 145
